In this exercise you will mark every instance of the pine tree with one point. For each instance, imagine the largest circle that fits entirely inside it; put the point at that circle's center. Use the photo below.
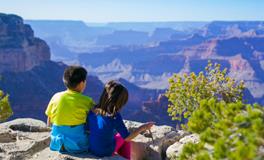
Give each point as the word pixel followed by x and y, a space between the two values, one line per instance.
pixel 212 101
pixel 185 93
pixel 227 131
pixel 5 108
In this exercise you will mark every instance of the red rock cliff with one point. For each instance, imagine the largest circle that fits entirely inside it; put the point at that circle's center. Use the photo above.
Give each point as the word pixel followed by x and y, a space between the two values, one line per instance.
pixel 19 49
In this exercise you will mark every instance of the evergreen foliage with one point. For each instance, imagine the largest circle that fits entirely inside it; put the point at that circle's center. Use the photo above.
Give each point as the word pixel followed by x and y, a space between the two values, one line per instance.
pixel 227 131
pixel 185 93
pixel 212 102
pixel 5 108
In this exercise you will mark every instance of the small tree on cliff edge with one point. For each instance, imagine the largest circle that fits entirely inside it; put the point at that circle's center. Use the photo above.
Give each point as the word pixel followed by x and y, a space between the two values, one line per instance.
pixel 5 108
pixel 185 93
pixel 227 131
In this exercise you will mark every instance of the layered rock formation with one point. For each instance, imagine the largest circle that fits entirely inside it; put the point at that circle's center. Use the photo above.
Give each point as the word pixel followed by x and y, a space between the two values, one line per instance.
pixel 19 49
pixel 156 110
pixel 30 78
pixel 233 28
pixel 26 72
pixel 236 45
pixel 24 139
pixel 242 56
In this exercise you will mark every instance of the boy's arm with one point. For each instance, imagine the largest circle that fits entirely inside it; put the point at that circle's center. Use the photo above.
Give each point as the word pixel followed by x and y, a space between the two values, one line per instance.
pixel 91 104
pixel 48 111
pixel 48 122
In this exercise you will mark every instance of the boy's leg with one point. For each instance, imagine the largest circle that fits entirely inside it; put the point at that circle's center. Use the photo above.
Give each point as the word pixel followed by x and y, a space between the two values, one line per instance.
pixel 122 147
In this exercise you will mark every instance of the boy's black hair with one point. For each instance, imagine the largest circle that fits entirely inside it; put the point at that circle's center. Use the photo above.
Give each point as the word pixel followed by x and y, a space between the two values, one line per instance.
pixel 73 75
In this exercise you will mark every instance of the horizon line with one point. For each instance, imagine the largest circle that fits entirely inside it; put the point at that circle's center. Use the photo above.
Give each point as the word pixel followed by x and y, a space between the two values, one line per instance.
pixel 152 21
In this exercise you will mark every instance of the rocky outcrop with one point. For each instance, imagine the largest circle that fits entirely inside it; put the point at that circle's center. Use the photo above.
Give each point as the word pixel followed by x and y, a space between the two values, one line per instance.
pixel 19 49
pixel 174 150
pixel 155 142
pixel 23 139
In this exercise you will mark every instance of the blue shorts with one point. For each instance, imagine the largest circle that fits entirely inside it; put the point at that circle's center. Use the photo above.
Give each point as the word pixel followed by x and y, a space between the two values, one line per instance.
pixel 72 139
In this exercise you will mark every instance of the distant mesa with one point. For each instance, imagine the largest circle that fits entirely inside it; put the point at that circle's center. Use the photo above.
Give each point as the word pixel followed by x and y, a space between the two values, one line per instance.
pixel 128 37
pixel 19 49
pixel 233 28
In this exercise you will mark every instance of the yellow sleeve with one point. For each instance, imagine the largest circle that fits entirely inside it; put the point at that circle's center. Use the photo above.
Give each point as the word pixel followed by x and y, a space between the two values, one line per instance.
pixel 91 103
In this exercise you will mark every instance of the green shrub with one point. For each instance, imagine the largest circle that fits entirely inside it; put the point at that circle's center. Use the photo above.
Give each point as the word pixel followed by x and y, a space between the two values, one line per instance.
pixel 185 93
pixel 212 102
pixel 5 108
pixel 227 131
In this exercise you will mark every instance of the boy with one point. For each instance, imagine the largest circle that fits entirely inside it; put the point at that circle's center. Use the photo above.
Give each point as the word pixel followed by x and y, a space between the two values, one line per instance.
pixel 67 112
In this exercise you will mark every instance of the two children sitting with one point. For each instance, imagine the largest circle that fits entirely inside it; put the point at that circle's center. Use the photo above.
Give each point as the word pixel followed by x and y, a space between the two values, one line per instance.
pixel 70 113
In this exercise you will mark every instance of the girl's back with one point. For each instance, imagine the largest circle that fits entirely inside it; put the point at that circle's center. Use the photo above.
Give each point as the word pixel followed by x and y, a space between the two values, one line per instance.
pixel 102 131
pixel 108 133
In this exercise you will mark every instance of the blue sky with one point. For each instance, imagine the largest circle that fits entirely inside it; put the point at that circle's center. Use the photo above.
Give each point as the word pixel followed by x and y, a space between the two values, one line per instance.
pixel 136 10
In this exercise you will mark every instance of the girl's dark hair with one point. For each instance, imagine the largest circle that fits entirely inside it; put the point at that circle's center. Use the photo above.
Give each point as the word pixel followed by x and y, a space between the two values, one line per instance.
pixel 113 98
pixel 73 75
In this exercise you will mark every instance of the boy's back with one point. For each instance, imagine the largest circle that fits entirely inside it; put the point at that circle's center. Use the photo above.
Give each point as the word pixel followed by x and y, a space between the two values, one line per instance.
pixel 67 112
pixel 69 108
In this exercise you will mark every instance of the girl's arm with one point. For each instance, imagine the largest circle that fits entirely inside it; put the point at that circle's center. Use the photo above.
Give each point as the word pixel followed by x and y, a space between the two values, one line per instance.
pixel 142 128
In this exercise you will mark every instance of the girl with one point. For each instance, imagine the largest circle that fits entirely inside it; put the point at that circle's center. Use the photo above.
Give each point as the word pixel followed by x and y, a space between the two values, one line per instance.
pixel 108 133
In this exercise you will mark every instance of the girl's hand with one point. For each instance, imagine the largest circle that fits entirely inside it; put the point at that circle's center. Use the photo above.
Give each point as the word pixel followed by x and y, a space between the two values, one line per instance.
pixel 147 126
pixel 142 128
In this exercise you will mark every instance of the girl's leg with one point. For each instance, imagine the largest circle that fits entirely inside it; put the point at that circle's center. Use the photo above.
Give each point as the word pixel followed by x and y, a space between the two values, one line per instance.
pixel 122 147
pixel 137 150
pixel 125 150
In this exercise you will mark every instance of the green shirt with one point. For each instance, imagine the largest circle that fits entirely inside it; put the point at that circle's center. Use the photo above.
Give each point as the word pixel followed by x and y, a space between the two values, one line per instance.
pixel 69 108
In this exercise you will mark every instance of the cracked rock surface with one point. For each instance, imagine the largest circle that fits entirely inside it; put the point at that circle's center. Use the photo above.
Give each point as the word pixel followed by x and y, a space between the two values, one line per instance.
pixel 28 139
